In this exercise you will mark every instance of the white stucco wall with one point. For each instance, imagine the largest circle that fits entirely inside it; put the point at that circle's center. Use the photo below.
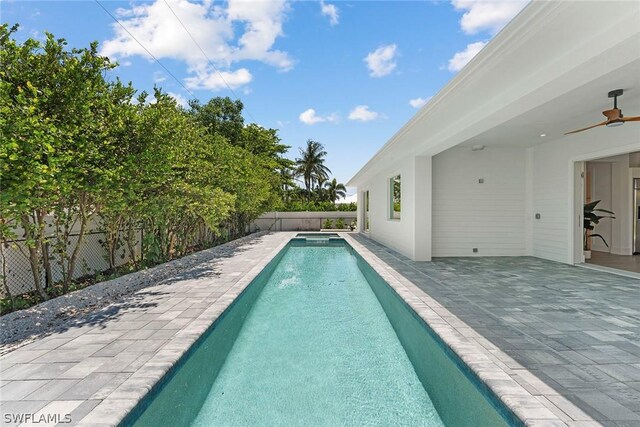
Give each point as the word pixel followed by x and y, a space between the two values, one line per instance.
pixel 489 216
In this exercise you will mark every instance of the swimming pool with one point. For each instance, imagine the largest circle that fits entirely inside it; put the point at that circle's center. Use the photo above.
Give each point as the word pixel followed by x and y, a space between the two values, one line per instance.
pixel 318 338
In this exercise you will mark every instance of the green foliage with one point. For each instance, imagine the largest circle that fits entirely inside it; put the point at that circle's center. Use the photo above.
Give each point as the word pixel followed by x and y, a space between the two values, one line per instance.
pixel 327 224
pixel 221 116
pixel 55 106
pixel 397 193
pixel 302 206
pixel 591 219
pixel 335 190
pixel 340 223
pixel 78 148
pixel 310 165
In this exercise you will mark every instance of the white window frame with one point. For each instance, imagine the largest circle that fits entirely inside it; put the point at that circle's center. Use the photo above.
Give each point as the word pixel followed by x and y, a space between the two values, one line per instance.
pixel 390 199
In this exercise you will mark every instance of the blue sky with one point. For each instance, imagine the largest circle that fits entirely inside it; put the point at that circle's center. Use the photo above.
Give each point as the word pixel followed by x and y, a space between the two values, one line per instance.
pixel 346 73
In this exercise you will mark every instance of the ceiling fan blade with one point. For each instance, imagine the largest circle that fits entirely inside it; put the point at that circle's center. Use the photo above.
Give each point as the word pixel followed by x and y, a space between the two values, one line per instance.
pixel 631 119
pixel 587 128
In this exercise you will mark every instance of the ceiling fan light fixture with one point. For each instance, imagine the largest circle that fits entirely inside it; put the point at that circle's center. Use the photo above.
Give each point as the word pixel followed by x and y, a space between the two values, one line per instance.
pixel 614 116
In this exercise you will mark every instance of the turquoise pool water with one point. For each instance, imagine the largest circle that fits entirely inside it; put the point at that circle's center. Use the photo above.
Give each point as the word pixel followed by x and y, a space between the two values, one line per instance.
pixel 309 343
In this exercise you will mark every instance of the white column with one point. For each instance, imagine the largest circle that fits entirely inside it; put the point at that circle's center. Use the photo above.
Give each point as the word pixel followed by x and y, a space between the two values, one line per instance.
pixel 529 214
pixel 422 189
pixel 576 203
pixel 360 211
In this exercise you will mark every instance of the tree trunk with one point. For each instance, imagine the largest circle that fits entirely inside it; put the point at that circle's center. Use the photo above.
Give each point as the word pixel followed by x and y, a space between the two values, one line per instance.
pixel 48 277
pixel 76 250
pixel 34 255
pixel 130 246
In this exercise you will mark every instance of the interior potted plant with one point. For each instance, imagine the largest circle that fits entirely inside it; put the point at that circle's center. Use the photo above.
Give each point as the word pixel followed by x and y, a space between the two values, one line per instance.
pixel 591 219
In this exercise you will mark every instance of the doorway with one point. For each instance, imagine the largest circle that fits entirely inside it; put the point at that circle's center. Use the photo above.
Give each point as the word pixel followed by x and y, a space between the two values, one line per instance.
pixel 610 212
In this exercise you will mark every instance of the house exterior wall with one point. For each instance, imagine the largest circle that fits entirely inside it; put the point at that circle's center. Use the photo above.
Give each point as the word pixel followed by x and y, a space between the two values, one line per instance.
pixel 498 216
pixel 538 76
pixel 489 216
pixel 398 235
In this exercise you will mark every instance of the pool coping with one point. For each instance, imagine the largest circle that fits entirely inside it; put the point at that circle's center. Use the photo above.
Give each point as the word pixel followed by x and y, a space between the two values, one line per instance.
pixel 528 397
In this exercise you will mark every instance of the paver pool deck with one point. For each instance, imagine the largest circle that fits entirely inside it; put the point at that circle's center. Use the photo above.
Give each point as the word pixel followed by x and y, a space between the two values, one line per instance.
pixel 549 331
pixel 576 329
pixel 98 372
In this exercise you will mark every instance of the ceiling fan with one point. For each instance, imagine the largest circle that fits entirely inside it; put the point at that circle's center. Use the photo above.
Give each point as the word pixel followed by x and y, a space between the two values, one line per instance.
pixel 614 116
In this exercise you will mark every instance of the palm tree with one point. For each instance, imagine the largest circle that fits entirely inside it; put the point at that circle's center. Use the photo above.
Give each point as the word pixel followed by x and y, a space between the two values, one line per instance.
pixel 311 166
pixel 287 176
pixel 335 190
pixel 320 191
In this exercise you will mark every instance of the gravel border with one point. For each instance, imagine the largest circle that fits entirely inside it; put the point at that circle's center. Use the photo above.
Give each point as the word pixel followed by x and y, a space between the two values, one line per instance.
pixel 58 314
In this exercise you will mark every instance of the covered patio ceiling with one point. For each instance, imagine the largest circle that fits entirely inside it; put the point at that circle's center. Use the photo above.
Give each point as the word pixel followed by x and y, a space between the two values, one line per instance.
pixel 575 109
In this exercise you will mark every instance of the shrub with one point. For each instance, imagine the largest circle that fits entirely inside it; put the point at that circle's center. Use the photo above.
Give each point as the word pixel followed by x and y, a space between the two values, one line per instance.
pixel 299 206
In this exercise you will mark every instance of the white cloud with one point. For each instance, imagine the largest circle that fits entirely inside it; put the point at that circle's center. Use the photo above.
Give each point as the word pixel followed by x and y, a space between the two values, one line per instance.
pixel 381 61
pixel 159 77
pixel 418 102
pixel 461 59
pixel 236 31
pixel 181 100
pixel 309 117
pixel 208 78
pixel 263 25
pixel 363 114
pixel 489 15
pixel 331 11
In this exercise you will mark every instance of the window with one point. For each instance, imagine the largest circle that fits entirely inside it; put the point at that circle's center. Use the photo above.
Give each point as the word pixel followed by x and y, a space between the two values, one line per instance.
pixel 395 198
pixel 365 197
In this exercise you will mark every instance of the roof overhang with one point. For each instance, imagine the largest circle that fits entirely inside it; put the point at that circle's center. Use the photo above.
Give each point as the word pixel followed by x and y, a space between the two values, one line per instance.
pixel 555 61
